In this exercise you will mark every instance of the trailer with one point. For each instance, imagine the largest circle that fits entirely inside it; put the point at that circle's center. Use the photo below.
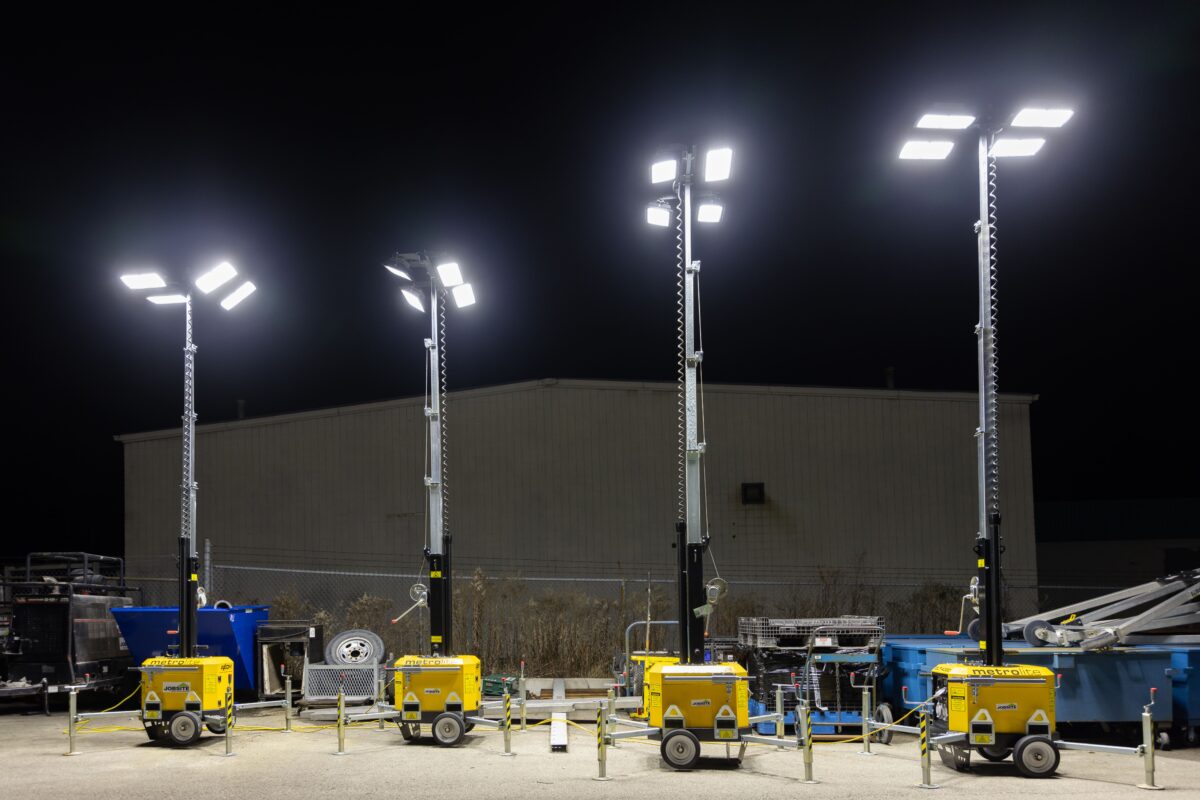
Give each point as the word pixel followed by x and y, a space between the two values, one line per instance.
pixel 61 630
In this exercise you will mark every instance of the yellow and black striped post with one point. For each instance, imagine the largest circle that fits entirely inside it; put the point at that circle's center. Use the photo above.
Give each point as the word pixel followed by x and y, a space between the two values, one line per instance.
pixel 601 741
pixel 229 720
pixel 507 724
pixel 926 780
pixel 804 721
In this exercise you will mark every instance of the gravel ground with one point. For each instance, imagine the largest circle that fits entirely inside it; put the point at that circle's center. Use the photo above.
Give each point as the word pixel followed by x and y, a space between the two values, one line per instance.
pixel 124 765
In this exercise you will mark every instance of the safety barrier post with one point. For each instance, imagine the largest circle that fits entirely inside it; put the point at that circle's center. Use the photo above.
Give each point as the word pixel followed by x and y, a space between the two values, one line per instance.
pixel 804 723
pixel 866 720
pixel 72 714
pixel 381 697
pixel 779 713
pixel 1148 744
pixel 612 697
pixel 926 779
pixel 287 703
pixel 507 724
pixel 601 742
pixel 229 720
pixel 521 692
pixel 341 721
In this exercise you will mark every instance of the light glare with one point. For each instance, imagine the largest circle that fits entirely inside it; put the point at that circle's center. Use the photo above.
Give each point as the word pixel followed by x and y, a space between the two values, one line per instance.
pixel 143 280
pixel 662 171
pixel 413 299
pixel 657 215
pixel 218 276
pixel 946 122
pixel 1042 117
pixel 166 299
pixel 709 212
pixel 239 294
pixel 450 274
pixel 933 150
pixel 1008 147
pixel 464 295
pixel 399 273
pixel 717 164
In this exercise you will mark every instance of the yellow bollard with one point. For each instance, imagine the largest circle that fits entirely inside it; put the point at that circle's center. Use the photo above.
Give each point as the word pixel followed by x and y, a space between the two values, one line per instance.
pixel 602 742
pixel 804 721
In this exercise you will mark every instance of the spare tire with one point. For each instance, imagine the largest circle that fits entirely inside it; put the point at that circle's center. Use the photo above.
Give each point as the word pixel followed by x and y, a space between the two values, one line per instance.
pixel 355 647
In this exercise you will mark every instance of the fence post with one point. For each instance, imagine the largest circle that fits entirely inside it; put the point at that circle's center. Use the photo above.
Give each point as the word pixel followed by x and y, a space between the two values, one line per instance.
pixel 208 584
pixel 521 692
pixel 229 720
pixel 507 724
pixel 72 715
pixel 1148 744
pixel 779 713
pixel 341 720
pixel 287 703
pixel 612 706
pixel 926 779
pixel 804 724
pixel 601 742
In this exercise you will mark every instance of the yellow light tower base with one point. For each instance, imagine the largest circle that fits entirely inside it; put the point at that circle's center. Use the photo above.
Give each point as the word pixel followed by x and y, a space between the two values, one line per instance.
pixel 997 712
pixel 694 703
pixel 440 691
pixel 180 696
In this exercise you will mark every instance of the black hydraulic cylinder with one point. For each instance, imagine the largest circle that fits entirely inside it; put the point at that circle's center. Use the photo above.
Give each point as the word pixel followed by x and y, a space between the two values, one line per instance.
pixel 681 587
pixel 188 580
pixel 696 599
pixel 991 594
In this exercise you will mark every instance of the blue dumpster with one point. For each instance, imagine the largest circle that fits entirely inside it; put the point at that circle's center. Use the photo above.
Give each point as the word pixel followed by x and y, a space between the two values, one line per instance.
pixel 150 630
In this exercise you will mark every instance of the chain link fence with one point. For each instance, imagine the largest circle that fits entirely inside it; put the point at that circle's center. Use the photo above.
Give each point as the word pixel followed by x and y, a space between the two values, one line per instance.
pixel 571 625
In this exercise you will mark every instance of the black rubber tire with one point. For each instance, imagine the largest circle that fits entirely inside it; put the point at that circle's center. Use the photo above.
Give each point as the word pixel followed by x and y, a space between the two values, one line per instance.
pixel 448 729
pixel 974 629
pixel 410 732
pixel 994 753
pixel 1035 756
pixel 216 728
pixel 355 647
pixel 183 729
pixel 680 749
pixel 883 715
pixel 156 732
pixel 1031 629
pixel 470 727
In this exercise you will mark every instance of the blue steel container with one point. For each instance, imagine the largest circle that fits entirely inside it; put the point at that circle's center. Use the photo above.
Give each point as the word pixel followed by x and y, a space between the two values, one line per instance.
pixel 1108 686
pixel 150 630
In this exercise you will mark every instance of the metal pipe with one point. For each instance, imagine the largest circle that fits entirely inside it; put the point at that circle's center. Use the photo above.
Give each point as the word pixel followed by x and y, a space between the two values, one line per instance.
pixel 72 711
pixel 1148 744
pixel 287 703
pixel 523 695
pixel 866 721
pixel 779 714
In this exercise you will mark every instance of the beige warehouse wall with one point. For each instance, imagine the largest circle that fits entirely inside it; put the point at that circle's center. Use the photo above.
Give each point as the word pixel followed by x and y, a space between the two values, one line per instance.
pixel 574 478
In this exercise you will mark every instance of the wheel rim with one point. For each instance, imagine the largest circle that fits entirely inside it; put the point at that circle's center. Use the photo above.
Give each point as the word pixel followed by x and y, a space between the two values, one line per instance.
pixel 183 728
pixel 680 750
pixel 1038 757
pixel 447 730
pixel 355 651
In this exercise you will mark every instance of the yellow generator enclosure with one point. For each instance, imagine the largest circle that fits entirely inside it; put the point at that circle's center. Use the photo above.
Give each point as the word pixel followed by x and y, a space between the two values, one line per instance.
pixel 427 686
pixel 992 705
pixel 171 685
pixel 645 662
pixel 710 700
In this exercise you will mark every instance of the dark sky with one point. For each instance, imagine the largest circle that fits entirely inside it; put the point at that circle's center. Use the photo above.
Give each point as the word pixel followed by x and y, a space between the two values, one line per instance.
pixel 521 147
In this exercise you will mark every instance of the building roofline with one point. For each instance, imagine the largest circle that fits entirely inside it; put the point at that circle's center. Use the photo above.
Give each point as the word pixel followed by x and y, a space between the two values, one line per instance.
pixel 546 383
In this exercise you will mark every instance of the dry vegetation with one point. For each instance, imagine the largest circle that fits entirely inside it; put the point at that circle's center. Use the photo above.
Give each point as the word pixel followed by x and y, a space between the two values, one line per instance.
pixel 557 632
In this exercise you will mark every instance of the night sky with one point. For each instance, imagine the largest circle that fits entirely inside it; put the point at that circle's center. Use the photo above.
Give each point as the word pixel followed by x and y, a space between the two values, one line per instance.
pixel 521 148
